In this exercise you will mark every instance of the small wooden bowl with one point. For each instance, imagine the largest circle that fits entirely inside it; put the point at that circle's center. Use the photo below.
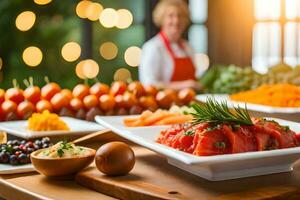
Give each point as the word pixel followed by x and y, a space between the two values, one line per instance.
pixel 54 167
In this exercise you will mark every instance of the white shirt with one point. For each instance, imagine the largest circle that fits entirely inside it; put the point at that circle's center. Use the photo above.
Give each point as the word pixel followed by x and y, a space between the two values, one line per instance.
pixel 157 64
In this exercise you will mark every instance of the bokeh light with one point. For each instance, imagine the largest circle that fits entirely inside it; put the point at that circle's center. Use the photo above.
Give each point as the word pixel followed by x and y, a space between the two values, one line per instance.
pixel 1 63
pixel 108 50
pixel 71 51
pixel 108 18
pixel 90 68
pixel 79 69
pixel 25 20
pixel 133 56
pixel 93 11
pixel 125 18
pixel 32 56
pixel 42 2
pixel 82 7
pixel 122 74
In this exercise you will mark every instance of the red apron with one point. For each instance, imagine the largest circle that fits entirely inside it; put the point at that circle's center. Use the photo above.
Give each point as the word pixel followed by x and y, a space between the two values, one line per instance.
pixel 184 68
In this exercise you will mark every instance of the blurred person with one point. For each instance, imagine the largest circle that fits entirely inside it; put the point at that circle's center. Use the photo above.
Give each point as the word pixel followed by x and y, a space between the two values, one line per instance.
pixel 167 59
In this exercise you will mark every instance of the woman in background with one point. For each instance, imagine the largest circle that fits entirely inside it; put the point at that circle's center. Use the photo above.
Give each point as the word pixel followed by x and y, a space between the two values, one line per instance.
pixel 167 59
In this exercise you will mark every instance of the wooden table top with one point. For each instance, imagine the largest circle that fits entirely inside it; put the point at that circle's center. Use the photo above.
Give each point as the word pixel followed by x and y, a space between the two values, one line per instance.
pixel 31 186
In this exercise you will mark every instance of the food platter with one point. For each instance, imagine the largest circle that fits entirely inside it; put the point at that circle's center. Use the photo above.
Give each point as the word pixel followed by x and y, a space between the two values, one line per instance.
pixel 214 168
pixel 77 127
pixel 250 106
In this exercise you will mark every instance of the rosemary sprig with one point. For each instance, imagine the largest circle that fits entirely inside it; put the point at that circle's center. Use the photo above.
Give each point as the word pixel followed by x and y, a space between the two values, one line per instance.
pixel 217 113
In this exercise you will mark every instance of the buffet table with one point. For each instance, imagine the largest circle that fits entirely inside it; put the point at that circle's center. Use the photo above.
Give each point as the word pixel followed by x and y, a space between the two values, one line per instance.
pixel 152 185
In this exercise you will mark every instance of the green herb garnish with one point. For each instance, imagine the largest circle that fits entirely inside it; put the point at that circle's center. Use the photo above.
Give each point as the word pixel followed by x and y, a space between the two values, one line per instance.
pixel 189 132
pixel 286 128
pixel 220 145
pixel 63 146
pixel 218 113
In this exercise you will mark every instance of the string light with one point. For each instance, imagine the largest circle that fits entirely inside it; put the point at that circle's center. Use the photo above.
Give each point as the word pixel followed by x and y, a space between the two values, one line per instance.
pixel 125 19
pixel 108 50
pixel 87 69
pixel 122 74
pixel 93 11
pixel 133 56
pixel 71 51
pixel 32 56
pixel 42 2
pixel 79 70
pixel 81 8
pixel 108 18
pixel 25 20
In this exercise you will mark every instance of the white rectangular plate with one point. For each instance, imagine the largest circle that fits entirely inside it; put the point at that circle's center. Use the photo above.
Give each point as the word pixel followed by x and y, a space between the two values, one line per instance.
pixel 215 168
pixel 250 106
pixel 10 169
pixel 77 127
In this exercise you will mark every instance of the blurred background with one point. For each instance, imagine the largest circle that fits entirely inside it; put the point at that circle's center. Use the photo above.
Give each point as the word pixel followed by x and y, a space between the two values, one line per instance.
pixel 56 38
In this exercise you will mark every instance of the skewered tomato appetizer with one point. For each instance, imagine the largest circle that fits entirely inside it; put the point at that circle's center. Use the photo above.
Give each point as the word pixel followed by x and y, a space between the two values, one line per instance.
pixel 76 104
pixel 67 93
pixel 90 101
pixel 151 90
pixel 119 101
pixel 25 109
pixel 129 100
pixel 136 88
pixel 99 89
pixel 166 98
pixel 148 102
pixel 118 87
pixel 59 101
pixel 8 106
pixel 43 105
pixel 2 94
pixel 186 95
pixel 15 95
pixel 107 102
pixel 32 94
pixel 49 90
pixel 80 91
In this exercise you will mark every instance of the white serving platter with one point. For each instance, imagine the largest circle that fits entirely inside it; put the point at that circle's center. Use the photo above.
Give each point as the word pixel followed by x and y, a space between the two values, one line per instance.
pixel 250 106
pixel 214 168
pixel 77 127
pixel 15 169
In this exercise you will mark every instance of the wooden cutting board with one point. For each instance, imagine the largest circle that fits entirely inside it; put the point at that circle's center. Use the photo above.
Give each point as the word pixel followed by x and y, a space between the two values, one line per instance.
pixel 153 178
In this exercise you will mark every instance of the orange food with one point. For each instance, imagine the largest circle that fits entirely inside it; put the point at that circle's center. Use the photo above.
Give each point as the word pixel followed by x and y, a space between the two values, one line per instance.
pixel 43 105
pixel 278 95
pixel 80 91
pixel 46 121
pixel 76 104
pixel 2 94
pixel 107 102
pixel 159 117
pixel 136 88
pixel 8 106
pixel 118 87
pixel 129 100
pixel 151 90
pixel 67 93
pixel 90 101
pixel 185 96
pixel 32 94
pixel 25 109
pixel 49 90
pixel 99 89
pixel 59 101
pixel 166 98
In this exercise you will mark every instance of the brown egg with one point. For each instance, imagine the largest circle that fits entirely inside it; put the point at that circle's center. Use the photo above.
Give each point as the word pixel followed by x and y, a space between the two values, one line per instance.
pixel 115 159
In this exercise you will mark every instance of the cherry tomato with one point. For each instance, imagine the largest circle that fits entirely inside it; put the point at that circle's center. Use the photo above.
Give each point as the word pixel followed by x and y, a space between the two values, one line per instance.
pixel 49 90
pixel 118 87
pixel 1 114
pixel 185 96
pixel 166 98
pixel 148 102
pixel 76 104
pixel 136 88
pixel 8 106
pixel 15 95
pixel 43 105
pixel 59 101
pixel 90 101
pixel 107 102
pixel 119 101
pixel 2 94
pixel 129 100
pixel 80 91
pixel 68 93
pixel 99 89
pixel 25 109
pixel 151 90
pixel 32 94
